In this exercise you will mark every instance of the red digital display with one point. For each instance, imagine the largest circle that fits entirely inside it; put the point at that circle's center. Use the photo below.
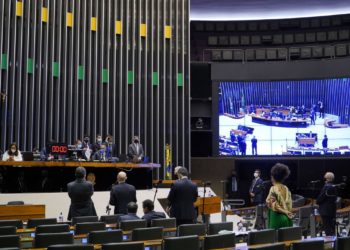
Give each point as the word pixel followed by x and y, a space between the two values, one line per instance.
pixel 58 149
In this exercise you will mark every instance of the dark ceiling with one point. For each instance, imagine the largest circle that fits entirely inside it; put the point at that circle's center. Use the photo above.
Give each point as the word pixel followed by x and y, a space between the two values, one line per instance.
pixel 265 9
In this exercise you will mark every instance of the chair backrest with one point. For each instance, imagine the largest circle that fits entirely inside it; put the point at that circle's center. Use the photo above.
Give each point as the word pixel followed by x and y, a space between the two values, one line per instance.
pixel 45 240
pixel 87 227
pixel 16 223
pixel 71 247
pixel 219 241
pixel 261 237
pixel 289 233
pixel 103 237
pixel 81 219
pixel 15 203
pixel 129 225
pixel 165 223
pixel 8 230
pixel 308 245
pixel 58 228
pixel 124 246
pixel 215 228
pixel 185 242
pixel 10 241
pixel 32 223
pixel 110 219
pixel 191 229
pixel 342 243
pixel 276 246
pixel 150 233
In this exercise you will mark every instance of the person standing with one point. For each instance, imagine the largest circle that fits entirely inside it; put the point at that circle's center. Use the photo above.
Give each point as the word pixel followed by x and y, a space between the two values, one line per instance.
pixel 256 189
pixel 327 204
pixel 325 142
pixel 183 193
pixel 122 194
pixel 135 151
pixel 232 186
pixel 80 192
pixel 279 199
pixel 254 145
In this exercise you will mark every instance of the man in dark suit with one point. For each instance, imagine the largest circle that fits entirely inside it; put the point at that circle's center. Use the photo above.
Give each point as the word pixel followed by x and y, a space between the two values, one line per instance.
pixel 80 192
pixel 183 193
pixel 256 189
pixel 111 148
pixel 327 204
pixel 150 214
pixel 122 194
pixel 135 151
pixel 131 215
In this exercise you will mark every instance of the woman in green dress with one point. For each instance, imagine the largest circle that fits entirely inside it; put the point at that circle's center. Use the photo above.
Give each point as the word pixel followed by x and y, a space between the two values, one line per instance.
pixel 279 200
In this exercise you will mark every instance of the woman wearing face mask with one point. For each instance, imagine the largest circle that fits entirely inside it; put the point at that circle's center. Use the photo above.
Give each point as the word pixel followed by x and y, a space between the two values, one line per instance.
pixel 12 154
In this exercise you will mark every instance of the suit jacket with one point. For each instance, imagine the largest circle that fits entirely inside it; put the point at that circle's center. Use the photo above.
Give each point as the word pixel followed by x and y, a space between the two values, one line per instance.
pixel 80 192
pixel 132 152
pixel 327 200
pixel 111 150
pixel 153 215
pixel 257 189
pixel 128 216
pixel 121 195
pixel 182 195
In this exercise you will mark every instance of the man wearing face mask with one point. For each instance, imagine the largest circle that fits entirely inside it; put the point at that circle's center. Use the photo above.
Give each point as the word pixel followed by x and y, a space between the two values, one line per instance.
pixel 97 144
pixel 135 151
pixel 101 154
pixel 256 189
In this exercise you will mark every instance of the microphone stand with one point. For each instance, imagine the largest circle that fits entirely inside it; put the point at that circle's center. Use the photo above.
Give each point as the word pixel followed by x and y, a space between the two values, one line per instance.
pixel 155 193
pixel 203 205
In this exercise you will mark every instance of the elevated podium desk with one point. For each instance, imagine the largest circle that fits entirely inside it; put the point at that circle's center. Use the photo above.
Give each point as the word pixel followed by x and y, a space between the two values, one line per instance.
pixel 212 205
pixel 21 212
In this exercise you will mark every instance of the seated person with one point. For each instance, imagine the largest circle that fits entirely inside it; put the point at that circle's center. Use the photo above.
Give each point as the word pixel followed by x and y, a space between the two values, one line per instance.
pixel 100 155
pixel 12 154
pixel 135 151
pixel 132 210
pixel 150 214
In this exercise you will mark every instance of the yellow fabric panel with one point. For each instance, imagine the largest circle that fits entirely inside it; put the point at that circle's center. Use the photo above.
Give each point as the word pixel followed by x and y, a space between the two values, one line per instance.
pixel 118 27
pixel 143 30
pixel 44 14
pixel 19 8
pixel 167 31
pixel 93 23
pixel 69 19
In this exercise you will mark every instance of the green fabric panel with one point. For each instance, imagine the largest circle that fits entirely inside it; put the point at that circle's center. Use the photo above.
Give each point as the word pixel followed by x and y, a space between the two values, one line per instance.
pixel 130 77
pixel 105 76
pixel 4 62
pixel 30 66
pixel 81 72
pixel 155 79
pixel 180 80
pixel 56 69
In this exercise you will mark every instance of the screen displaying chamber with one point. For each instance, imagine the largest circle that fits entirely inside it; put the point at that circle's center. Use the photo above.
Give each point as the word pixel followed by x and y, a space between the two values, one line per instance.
pixel 301 117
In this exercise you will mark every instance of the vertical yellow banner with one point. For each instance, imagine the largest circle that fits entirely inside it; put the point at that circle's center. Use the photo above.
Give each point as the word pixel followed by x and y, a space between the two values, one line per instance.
pixel 69 19
pixel 93 24
pixel 44 14
pixel 19 8
pixel 167 31
pixel 118 27
pixel 143 30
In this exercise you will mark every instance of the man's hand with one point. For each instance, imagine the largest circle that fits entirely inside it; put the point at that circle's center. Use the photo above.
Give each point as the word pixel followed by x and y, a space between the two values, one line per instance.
pixel 252 194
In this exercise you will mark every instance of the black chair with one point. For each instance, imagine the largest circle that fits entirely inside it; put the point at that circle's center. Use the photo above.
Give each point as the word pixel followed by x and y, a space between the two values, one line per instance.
pixel 110 219
pixel 10 241
pixel 219 241
pixel 58 228
pixel 165 223
pixel 32 223
pixel 15 223
pixel 185 242
pixel 289 233
pixel 8 230
pixel 87 227
pixel 308 245
pixel 277 246
pixel 191 229
pixel 15 203
pixel 104 237
pixel 71 247
pixel 342 243
pixel 150 233
pixel 303 220
pixel 261 237
pixel 215 228
pixel 45 240
pixel 82 219
pixel 132 224
pixel 124 246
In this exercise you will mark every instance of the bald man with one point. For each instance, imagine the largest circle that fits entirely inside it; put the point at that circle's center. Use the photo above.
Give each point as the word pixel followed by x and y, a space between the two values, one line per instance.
pixel 121 194
pixel 327 204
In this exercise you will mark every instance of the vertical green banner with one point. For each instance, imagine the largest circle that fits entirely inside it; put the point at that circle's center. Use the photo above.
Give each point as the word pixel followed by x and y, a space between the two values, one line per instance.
pixel 4 63
pixel 180 80
pixel 105 76
pixel 130 77
pixel 81 72
pixel 30 66
pixel 56 69
pixel 155 79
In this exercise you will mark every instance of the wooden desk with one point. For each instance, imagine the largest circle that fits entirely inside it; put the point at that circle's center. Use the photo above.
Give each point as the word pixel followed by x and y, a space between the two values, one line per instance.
pixel 212 205
pixel 21 212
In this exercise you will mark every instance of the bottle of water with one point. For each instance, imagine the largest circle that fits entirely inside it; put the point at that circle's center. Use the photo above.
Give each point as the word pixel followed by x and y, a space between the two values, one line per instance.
pixel 209 194
pixel 343 233
pixel 60 218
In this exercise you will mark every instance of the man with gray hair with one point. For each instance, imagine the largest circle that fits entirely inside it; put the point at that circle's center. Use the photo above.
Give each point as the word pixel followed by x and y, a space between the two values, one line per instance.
pixel 327 204
pixel 80 192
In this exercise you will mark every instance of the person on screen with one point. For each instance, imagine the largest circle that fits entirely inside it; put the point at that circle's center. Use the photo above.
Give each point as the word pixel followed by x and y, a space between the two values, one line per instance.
pixel 243 147
pixel 232 136
pixel 135 151
pixel 12 154
pixel 325 142
pixel 254 145
pixel 313 117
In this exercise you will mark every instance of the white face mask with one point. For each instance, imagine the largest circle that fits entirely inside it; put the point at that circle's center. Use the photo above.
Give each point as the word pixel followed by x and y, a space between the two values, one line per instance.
pixel 13 150
pixel 256 175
